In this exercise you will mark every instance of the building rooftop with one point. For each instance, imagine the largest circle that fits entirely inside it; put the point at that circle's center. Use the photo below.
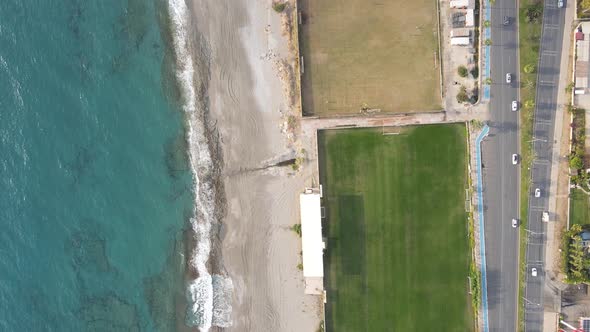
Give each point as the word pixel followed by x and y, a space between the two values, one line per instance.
pixel 312 242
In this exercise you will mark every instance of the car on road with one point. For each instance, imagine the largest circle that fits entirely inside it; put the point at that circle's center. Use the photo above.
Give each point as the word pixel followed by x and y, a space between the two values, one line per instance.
pixel 514 223
pixel 538 192
pixel 508 78
pixel 559 3
pixel 514 159
pixel 534 271
pixel 506 20
pixel 514 106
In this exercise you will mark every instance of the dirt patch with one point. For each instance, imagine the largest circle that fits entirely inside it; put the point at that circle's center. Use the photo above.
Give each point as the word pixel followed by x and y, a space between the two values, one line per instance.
pixel 365 55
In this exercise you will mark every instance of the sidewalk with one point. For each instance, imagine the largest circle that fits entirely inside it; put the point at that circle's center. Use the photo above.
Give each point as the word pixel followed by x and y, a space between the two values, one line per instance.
pixel 552 293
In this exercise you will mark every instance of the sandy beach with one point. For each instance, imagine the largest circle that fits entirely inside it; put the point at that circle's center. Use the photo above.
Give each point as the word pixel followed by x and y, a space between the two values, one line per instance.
pixel 249 107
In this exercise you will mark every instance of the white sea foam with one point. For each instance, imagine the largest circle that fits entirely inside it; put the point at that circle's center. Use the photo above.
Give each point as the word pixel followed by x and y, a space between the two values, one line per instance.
pixel 210 296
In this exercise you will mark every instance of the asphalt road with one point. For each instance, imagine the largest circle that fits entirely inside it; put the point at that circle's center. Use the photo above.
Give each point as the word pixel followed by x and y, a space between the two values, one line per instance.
pixel 501 177
pixel 546 105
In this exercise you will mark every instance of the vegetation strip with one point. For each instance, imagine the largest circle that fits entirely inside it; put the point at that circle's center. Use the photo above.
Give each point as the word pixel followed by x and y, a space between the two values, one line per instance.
pixel 529 24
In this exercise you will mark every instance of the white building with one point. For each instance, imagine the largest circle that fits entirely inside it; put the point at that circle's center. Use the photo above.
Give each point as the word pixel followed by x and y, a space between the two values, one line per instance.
pixel 312 242
pixel 462 4
pixel 469 18
pixel 460 41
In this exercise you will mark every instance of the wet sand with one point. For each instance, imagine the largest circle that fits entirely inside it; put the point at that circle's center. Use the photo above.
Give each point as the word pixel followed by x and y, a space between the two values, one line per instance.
pixel 249 107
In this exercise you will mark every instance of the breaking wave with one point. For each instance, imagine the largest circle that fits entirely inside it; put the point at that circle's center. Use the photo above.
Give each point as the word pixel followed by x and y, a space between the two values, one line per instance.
pixel 209 295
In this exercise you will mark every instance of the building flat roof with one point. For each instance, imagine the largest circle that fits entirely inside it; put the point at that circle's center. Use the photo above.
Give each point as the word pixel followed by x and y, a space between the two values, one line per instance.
pixel 460 41
pixel 311 235
pixel 462 4
pixel 469 18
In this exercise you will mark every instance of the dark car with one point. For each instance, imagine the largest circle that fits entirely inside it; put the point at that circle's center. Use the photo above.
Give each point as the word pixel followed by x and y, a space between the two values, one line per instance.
pixel 506 20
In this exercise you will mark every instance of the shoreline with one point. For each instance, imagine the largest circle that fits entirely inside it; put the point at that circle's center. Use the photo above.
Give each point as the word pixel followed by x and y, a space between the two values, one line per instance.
pixel 235 66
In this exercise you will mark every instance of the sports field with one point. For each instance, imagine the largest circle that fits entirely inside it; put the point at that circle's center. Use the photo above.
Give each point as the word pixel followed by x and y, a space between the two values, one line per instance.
pixel 378 55
pixel 397 252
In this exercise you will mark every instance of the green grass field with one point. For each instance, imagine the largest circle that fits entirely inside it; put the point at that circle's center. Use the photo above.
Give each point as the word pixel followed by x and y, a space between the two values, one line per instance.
pixel 379 55
pixel 579 208
pixel 397 252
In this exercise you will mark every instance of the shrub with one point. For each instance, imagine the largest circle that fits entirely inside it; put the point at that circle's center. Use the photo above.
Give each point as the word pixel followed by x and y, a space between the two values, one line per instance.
pixel 462 95
pixel 279 7
pixel 576 162
pixel 297 229
pixel 533 13
pixel 474 95
pixel 462 71
pixel 529 68
pixel 476 124
pixel 487 42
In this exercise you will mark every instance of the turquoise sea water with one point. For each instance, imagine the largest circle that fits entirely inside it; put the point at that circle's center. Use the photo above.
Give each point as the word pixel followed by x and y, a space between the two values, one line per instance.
pixel 95 186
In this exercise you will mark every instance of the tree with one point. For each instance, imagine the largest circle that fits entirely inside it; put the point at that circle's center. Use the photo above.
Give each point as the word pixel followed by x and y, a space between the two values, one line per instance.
pixel 488 81
pixel 570 87
pixel 475 72
pixel 487 23
pixel 576 257
pixel 576 229
pixel 529 103
pixel 529 68
pixel 576 162
pixel 487 42
pixel 462 70
pixel 462 95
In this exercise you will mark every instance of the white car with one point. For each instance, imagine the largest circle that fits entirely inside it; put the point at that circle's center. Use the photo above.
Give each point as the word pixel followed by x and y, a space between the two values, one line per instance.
pixel 508 78
pixel 514 106
pixel 514 159
pixel 514 223
pixel 538 192
pixel 534 271
pixel 559 3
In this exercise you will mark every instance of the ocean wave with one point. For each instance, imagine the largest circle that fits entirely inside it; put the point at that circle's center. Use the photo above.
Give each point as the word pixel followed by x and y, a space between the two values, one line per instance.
pixel 209 296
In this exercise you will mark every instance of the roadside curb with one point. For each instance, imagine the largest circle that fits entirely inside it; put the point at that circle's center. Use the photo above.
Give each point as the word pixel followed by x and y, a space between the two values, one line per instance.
pixel 484 286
